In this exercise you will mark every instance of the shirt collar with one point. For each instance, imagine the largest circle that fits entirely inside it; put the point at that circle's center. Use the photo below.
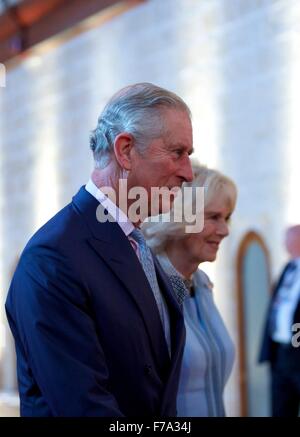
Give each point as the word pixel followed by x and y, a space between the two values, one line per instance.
pixel 123 221
pixel 170 269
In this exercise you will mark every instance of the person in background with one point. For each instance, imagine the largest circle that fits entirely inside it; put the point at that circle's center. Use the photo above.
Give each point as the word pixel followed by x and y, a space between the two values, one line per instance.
pixel 278 347
pixel 93 335
pixel 209 351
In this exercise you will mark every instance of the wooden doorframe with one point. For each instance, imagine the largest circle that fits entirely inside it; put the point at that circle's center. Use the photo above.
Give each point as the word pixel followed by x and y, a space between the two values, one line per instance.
pixel 249 238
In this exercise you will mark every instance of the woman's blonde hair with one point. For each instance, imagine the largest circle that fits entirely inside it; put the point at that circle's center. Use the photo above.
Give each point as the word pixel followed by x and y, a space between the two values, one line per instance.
pixel 215 183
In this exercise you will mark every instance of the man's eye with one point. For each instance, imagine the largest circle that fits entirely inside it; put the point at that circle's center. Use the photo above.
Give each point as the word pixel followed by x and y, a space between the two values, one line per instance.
pixel 178 152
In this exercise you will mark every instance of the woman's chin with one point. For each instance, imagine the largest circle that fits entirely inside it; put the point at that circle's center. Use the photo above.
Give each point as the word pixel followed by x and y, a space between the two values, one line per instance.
pixel 211 257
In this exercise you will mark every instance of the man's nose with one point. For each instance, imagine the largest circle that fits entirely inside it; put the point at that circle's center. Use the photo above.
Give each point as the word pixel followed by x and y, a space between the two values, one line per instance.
pixel 186 169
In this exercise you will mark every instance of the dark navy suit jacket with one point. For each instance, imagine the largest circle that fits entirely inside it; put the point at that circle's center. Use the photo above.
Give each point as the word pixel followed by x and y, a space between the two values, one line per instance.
pixel 88 335
pixel 269 347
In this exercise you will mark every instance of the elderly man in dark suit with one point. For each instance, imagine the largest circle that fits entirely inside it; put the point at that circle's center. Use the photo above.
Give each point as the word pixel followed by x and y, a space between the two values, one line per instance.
pixel 97 329
pixel 280 345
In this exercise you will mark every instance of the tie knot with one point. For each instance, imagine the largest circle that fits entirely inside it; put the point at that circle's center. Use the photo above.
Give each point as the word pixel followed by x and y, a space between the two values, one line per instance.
pixel 138 236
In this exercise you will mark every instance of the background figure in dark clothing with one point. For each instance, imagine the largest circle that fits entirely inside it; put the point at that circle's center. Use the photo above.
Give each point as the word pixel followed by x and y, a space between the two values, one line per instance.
pixel 279 347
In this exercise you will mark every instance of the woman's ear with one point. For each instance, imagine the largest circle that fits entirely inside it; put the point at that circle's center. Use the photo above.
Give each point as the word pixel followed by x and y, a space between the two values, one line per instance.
pixel 123 146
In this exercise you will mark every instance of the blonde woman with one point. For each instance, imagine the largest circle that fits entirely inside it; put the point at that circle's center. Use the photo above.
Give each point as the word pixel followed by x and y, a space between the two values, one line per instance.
pixel 209 351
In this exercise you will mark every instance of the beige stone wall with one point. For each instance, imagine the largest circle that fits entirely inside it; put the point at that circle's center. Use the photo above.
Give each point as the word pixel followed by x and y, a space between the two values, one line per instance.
pixel 9 405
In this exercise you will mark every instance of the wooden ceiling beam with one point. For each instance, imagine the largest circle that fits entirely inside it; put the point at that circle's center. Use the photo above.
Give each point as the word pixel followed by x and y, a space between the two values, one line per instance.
pixel 32 21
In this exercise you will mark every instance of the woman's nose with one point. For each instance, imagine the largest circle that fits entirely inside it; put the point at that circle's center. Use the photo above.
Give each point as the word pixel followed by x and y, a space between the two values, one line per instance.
pixel 223 229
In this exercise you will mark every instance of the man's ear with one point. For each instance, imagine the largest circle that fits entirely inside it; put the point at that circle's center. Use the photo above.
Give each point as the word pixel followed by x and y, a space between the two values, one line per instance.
pixel 123 146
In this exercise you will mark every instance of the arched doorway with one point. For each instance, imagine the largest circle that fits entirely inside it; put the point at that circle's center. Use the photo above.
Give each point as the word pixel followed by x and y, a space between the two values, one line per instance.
pixel 253 272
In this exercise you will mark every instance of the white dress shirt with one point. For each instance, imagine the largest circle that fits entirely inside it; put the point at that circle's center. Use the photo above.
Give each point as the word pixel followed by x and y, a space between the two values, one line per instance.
pixel 123 221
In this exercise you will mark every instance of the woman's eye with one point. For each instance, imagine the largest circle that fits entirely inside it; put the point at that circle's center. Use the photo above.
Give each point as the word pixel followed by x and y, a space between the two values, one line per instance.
pixel 213 217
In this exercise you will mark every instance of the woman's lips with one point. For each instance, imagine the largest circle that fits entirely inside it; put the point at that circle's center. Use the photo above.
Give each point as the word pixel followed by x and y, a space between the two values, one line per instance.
pixel 214 244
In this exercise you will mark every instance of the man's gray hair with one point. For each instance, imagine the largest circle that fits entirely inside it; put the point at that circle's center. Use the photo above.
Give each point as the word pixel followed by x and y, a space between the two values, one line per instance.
pixel 137 110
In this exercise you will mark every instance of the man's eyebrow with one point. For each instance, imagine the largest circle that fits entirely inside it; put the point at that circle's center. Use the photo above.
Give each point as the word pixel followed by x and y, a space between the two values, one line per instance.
pixel 181 146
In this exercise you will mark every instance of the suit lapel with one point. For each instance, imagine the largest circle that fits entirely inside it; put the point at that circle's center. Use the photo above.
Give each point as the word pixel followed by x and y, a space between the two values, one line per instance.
pixel 109 242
